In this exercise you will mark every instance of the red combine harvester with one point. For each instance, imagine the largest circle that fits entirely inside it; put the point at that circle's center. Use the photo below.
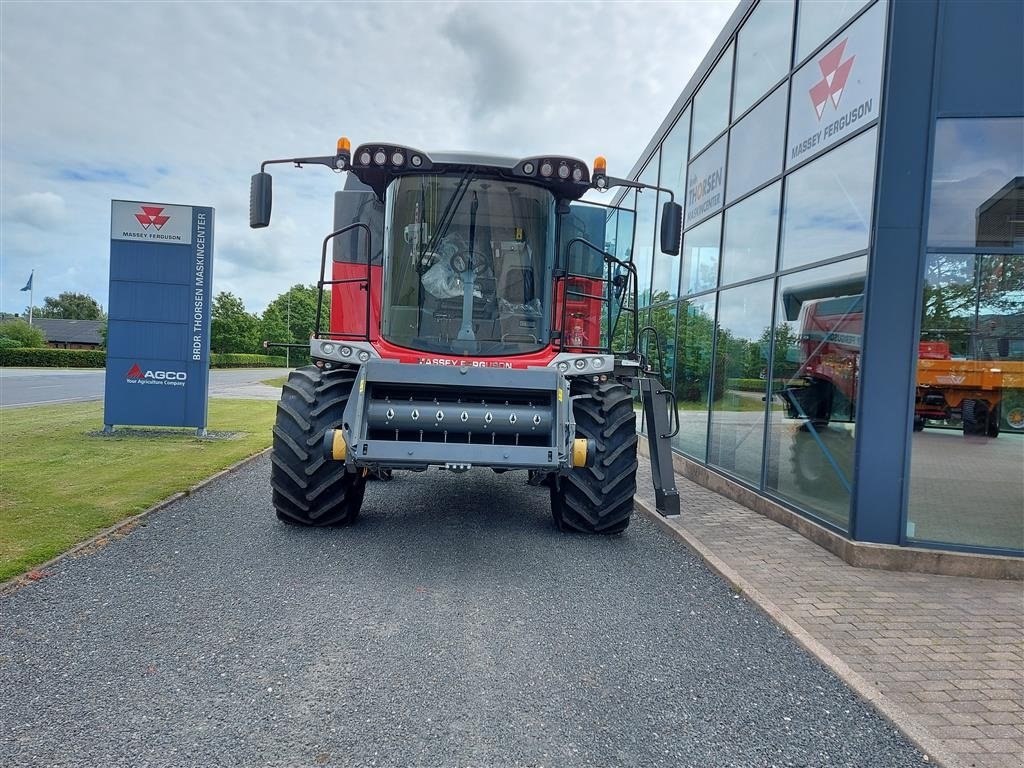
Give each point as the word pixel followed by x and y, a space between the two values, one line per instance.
pixel 469 327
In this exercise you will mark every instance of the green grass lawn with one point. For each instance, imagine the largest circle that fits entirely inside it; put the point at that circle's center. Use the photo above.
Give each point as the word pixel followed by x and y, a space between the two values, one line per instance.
pixel 59 485
pixel 278 382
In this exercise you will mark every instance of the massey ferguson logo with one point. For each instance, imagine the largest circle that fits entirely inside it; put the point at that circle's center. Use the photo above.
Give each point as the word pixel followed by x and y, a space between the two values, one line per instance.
pixel 834 74
pixel 136 375
pixel 152 216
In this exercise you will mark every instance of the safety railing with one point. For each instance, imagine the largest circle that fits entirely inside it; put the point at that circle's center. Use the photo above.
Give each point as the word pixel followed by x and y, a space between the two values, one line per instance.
pixel 365 284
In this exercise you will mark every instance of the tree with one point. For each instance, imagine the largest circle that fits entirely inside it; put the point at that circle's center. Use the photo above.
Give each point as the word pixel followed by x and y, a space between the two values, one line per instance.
pixel 20 331
pixel 71 306
pixel 291 317
pixel 232 329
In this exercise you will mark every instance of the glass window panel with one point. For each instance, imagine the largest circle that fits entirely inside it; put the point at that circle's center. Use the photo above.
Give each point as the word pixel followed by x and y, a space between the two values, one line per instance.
pixel 673 176
pixel 663 319
pixel 700 256
pixel 756 145
pixel 643 239
pixel 818 19
pixel 977 195
pixel 736 434
pixel 839 90
pixel 819 318
pixel 704 184
pixel 827 211
pixel 694 336
pixel 967 451
pixel 711 104
pixel 750 237
pixel 762 51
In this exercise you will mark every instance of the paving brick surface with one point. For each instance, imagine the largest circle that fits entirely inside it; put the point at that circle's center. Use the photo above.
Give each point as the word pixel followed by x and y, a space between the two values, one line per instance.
pixel 948 651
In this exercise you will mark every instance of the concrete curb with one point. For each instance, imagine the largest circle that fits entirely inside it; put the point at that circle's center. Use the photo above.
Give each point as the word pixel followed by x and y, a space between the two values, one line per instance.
pixel 936 753
pixel 96 542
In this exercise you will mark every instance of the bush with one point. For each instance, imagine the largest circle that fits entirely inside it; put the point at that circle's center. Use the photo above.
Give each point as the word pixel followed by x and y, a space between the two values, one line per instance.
pixel 19 330
pixel 755 385
pixel 6 343
pixel 239 360
pixel 29 357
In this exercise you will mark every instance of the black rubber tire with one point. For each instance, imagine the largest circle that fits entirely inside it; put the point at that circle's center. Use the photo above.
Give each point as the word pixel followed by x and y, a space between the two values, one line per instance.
pixel 599 499
pixel 1011 409
pixel 995 418
pixel 918 423
pixel 307 488
pixel 974 414
pixel 813 471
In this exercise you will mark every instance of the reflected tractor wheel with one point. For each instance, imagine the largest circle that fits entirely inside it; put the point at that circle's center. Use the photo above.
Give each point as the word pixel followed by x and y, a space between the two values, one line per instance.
pixel 817 467
pixel 309 489
pixel 975 415
pixel 599 499
pixel 1012 409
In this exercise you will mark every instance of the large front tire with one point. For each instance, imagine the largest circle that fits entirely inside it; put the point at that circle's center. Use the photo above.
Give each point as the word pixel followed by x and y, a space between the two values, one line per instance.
pixel 307 488
pixel 599 498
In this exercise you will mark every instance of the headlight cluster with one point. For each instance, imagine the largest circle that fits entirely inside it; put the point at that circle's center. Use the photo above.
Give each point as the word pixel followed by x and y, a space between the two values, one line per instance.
pixel 389 156
pixel 565 169
pixel 576 364
pixel 344 352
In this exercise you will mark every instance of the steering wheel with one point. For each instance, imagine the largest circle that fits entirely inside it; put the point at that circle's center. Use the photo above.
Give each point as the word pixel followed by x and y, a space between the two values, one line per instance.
pixel 464 260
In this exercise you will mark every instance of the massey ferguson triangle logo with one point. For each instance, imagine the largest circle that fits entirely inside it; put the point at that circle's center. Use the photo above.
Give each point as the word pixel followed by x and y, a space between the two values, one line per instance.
pixel 834 74
pixel 151 216
pixel 134 372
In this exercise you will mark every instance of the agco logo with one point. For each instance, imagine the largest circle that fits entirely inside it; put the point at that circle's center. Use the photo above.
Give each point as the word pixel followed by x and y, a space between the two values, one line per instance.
pixel 137 375
pixel 834 74
pixel 152 216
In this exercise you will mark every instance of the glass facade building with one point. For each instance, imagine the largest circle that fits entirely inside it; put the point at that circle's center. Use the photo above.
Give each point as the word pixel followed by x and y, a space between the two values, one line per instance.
pixel 844 326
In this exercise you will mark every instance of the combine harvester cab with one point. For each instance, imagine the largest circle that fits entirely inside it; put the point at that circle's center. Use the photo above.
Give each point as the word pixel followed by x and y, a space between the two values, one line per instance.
pixel 472 320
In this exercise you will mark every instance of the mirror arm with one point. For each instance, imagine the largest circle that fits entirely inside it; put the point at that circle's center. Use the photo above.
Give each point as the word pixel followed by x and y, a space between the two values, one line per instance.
pixel 328 160
pixel 616 182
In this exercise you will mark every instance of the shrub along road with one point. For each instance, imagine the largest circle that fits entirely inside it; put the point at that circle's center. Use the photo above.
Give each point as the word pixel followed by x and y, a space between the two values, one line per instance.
pixel 451 625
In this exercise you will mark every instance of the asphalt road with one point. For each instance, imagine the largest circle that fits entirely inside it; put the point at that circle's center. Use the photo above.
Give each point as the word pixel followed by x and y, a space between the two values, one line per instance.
pixel 451 626
pixel 38 386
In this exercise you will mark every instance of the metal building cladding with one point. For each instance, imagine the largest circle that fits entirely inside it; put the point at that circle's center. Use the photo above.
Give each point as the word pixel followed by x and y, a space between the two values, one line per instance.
pixel 845 324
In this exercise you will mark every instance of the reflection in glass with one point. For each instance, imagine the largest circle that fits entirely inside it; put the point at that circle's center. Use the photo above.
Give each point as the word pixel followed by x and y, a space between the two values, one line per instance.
pixel 816 359
pixel 694 337
pixel 762 52
pixel 673 176
pixel 756 145
pixel 711 104
pixel 741 371
pixel 828 204
pixel 700 256
pixel 751 234
pixel 643 237
pixel 968 442
pixel 818 19
pixel 977 195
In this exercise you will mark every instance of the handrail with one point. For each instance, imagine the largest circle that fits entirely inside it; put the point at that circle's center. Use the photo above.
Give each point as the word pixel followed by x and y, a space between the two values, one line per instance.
pixel 609 282
pixel 365 281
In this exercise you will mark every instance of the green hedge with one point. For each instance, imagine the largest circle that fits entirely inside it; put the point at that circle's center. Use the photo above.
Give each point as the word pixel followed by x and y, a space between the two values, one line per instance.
pixel 238 360
pixel 754 385
pixel 31 357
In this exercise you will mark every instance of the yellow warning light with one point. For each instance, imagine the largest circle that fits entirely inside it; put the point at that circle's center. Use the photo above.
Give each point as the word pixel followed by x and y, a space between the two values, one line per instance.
pixel 600 164
pixel 344 145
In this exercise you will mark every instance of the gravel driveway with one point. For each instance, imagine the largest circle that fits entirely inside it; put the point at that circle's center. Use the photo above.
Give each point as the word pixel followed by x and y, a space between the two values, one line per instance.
pixel 451 626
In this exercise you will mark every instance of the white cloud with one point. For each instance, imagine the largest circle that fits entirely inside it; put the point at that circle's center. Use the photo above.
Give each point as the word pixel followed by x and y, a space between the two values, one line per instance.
pixel 181 101
pixel 43 210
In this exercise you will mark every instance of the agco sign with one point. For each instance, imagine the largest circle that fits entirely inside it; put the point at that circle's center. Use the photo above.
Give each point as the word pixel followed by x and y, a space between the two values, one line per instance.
pixel 136 375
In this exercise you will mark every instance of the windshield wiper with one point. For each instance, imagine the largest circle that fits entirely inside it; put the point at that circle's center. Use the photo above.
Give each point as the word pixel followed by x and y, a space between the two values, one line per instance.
pixel 447 216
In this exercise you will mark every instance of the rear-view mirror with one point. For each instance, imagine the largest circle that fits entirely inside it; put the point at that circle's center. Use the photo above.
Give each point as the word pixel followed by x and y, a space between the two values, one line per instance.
pixel 671 228
pixel 260 199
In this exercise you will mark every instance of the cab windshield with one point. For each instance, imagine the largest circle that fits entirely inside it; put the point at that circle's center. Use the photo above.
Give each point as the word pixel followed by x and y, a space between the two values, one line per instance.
pixel 466 262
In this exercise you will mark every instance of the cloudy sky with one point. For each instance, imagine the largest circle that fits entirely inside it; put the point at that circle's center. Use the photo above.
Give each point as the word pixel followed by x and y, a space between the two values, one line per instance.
pixel 179 102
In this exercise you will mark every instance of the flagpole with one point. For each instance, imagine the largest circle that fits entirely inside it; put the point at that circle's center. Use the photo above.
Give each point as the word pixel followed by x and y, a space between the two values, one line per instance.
pixel 31 299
